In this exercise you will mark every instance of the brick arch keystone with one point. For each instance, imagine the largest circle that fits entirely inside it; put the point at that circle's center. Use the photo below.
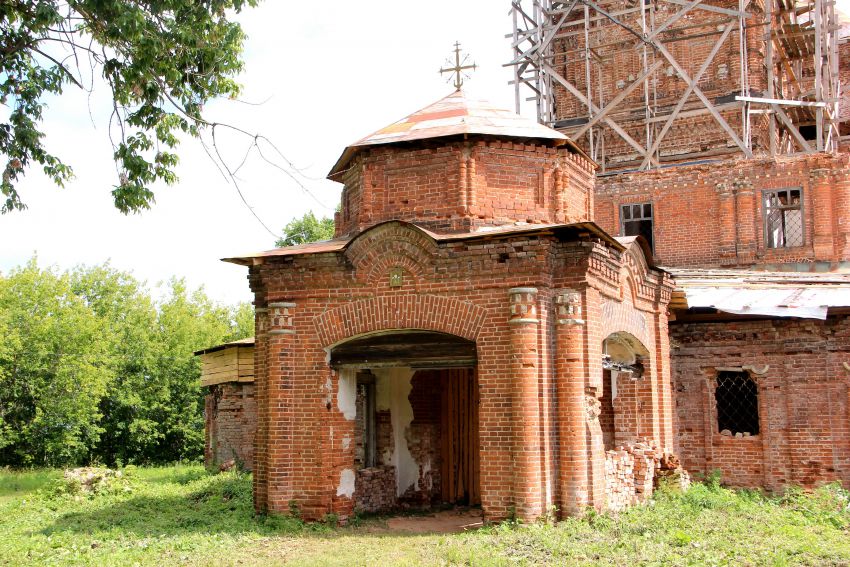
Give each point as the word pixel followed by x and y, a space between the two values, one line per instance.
pixel 425 312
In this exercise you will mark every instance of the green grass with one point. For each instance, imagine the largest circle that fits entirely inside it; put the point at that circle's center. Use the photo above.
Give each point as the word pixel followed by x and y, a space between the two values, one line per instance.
pixel 182 515
pixel 15 484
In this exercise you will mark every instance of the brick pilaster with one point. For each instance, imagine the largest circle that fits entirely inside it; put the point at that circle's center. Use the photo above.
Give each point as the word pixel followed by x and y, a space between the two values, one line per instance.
pixel 822 237
pixel 524 366
pixel 574 484
pixel 279 404
pixel 726 216
pixel 261 464
pixel 841 210
pixel 745 245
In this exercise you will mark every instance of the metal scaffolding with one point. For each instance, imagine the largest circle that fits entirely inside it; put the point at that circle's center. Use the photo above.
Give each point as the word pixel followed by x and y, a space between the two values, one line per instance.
pixel 779 94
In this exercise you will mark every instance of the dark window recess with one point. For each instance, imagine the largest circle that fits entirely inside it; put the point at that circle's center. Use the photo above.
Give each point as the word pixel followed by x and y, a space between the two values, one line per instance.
pixel 637 221
pixel 737 403
pixel 783 218
pixel 365 449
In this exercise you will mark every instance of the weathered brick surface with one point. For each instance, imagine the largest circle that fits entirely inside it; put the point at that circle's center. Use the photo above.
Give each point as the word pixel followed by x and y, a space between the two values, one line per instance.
pixel 464 185
pixel 230 415
pixel 695 134
pixel 539 347
pixel 803 400
pixel 712 214
pixel 375 489
pixel 506 293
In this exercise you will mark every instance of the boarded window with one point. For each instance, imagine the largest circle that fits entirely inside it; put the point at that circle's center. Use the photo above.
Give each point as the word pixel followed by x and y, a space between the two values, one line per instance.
pixel 783 218
pixel 737 403
pixel 637 220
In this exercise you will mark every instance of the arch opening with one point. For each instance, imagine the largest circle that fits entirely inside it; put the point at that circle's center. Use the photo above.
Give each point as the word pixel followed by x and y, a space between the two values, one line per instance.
pixel 411 396
pixel 625 368
pixel 413 348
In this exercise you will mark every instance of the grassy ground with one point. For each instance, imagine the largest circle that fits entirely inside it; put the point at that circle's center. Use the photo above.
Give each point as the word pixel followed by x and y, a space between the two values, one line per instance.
pixel 181 515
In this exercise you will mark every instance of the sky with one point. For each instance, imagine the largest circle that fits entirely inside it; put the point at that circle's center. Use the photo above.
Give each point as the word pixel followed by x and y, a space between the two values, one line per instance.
pixel 317 79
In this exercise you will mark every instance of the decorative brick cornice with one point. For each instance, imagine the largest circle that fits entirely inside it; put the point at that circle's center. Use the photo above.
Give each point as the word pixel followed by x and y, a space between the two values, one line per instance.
pixel 523 302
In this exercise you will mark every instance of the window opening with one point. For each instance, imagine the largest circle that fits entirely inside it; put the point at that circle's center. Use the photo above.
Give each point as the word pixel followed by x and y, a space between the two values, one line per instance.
pixel 783 218
pixel 737 403
pixel 365 453
pixel 637 221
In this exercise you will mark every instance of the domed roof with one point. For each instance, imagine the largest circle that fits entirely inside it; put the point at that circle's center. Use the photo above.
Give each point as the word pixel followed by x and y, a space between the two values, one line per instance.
pixel 451 116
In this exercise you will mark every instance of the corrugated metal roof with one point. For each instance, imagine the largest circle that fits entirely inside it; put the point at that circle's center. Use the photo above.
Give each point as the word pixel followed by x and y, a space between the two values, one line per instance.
pixel 774 294
pixel 484 232
pixel 451 116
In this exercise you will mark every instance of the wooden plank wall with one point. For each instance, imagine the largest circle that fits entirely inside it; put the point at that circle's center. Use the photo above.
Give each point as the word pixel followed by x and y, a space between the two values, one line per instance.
pixel 232 364
pixel 460 467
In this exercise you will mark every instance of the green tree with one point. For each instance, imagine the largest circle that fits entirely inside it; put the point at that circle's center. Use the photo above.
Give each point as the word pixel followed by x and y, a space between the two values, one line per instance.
pixel 56 367
pixel 243 322
pixel 93 368
pixel 162 59
pixel 307 229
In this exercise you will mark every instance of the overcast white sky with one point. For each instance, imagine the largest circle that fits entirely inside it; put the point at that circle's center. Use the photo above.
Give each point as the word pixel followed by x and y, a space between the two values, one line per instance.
pixel 329 72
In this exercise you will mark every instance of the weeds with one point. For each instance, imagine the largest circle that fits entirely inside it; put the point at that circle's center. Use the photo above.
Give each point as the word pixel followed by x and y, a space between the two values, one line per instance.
pixel 183 514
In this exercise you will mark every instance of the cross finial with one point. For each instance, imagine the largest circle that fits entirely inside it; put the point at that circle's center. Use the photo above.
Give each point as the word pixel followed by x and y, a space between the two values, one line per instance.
pixel 459 67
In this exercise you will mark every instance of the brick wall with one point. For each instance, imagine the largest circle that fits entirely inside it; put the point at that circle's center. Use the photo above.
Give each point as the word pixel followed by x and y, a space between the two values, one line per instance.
pixel 799 368
pixel 375 489
pixel 712 214
pixel 464 185
pixel 307 304
pixel 230 415
pixel 423 437
pixel 617 62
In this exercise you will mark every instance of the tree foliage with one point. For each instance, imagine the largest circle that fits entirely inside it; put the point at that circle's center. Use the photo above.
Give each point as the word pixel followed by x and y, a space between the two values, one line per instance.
pixel 93 368
pixel 162 59
pixel 307 229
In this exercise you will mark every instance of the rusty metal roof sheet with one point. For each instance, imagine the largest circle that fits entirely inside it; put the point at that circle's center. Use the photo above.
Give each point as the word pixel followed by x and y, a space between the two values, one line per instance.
pixel 451 116
pixel 339 244
pixel 775 294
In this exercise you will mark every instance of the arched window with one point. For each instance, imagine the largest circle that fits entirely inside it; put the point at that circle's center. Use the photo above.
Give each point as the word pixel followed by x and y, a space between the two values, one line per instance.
pixel 737 403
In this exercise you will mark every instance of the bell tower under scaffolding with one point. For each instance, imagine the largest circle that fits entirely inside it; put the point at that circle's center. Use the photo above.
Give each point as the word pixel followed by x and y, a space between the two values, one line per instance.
pixel 640 84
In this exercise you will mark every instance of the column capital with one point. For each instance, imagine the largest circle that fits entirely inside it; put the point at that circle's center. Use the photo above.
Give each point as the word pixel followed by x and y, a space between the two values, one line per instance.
pixel 523 302
pixel 820 174
pixel 723 188
pixel 280 318
pixel 568 304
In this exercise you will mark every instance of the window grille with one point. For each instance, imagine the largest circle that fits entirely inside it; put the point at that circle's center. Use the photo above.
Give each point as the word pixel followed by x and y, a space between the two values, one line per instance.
pixel 737 403
pixel 783 218
pixel 636 220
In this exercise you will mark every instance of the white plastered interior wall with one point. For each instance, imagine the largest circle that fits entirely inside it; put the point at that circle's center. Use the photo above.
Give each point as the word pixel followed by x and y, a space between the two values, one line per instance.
pixel 393 386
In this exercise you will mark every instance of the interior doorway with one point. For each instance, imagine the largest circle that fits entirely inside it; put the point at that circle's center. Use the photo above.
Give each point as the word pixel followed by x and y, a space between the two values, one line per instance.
pixel 460 470
pixel 416 423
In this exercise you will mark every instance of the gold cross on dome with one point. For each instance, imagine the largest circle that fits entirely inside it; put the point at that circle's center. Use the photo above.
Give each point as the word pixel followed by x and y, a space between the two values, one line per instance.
pixel 459 67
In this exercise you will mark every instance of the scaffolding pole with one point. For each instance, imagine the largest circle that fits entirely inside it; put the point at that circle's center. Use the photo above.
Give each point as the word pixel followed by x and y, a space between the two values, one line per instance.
pixel 564 54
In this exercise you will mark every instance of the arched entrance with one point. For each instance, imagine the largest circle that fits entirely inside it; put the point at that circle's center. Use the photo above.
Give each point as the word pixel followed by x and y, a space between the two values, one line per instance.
pixel 413 398
pixel 625 368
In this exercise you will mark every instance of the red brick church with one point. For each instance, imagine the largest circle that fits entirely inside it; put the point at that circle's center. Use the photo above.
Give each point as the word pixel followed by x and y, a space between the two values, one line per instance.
pixel 498 321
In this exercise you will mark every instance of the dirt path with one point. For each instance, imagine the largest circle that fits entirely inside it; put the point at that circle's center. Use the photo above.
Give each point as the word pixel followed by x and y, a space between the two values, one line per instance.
pixel 445 522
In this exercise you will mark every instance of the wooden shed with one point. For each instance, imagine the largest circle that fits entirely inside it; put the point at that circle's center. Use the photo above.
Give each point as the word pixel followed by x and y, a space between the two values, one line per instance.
pixel 230 410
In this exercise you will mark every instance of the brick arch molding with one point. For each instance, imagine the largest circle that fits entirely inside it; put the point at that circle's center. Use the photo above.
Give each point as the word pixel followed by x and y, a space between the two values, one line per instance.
pixel 420 311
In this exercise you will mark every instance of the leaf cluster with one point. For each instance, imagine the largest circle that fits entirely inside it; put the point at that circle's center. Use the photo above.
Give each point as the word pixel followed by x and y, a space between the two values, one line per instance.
pixel 306 229
pixel 162 60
